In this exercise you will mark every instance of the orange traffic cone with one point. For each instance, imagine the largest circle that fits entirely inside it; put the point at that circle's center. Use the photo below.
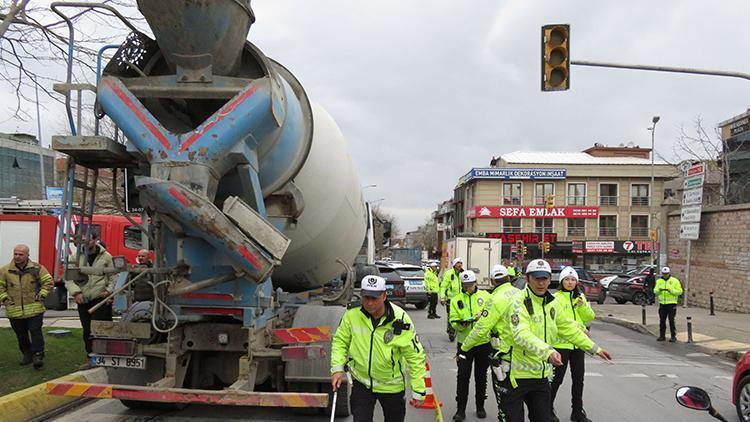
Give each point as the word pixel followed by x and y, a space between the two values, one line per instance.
pixel 430 401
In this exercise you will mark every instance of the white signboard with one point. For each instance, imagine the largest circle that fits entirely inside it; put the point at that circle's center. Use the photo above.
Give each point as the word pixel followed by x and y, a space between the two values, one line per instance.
pixel 693 182
pixel 692 197
pixel 689 231
pixel 690 214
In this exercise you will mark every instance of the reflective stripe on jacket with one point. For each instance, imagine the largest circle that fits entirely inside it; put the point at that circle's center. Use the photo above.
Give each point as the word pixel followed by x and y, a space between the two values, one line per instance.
pixel 494 318
pixel 465 306
pixel 668 291
pixel 451 284
pixel 431 282
pixel 582 314
pixel 23 291
pixel 536 322
pixel 378 353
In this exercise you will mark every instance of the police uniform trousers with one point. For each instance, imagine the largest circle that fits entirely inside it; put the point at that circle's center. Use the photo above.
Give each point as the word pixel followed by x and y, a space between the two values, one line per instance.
pixel 362 403
pixel 479 356
pixel 534 393
pixel 433 300
pixel 577 359
pixel 667 311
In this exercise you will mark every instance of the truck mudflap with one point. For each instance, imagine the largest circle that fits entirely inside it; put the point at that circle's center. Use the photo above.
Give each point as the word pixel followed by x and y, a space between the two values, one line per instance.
pixel 187 396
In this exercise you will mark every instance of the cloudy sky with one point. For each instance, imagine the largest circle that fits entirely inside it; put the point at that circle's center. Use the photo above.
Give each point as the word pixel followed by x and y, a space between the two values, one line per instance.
pixel 426 89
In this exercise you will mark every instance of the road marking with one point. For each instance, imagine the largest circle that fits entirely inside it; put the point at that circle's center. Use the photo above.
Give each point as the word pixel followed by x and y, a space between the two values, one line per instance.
pixel 643 363
pixel 635 376
pixel 593 374
pixel 666 375
pixel 697 355
pixel 723 377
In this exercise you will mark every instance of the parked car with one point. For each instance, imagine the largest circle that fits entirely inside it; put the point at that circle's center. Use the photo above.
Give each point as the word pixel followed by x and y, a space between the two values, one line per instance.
pixel 741 388
pixel 394 284
pixel 413 277
pixel 593 291
pixel 630 290
pixel 642 270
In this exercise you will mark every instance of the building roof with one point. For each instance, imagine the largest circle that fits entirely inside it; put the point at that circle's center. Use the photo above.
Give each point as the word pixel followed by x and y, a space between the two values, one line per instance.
pixel 542 157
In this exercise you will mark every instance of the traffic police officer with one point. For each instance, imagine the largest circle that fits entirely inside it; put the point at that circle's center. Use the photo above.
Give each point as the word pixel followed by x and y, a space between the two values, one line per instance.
pixel 449 287
pixel 23 286
pixel 379 338
pixel 572 303
pixel 432 288
pixel 493 324
pixel 466 308
pixel 537 319
pixel 668 289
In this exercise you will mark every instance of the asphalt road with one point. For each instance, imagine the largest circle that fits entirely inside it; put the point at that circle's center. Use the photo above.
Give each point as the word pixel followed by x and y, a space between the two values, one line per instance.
pixel 639 386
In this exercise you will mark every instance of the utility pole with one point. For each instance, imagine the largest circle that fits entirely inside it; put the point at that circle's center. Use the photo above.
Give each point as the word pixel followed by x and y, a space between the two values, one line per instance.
pixel 652 188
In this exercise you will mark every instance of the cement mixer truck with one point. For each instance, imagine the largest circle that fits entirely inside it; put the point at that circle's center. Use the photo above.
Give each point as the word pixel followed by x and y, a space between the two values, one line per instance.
pixel 251 205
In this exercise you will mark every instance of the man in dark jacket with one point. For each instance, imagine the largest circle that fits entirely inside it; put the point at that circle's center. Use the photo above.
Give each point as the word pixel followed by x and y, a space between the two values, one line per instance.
pixel 650 282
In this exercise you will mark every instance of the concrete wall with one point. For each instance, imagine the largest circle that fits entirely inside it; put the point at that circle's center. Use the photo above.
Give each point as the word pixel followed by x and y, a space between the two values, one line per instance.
pixel 720 259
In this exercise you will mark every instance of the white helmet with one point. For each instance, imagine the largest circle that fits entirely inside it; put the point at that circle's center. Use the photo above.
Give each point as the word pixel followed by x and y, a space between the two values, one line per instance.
pixel 468 276
pixel 498 271
pixel 539 268
pixel 456 261
pixel 568 272
pixel 666 270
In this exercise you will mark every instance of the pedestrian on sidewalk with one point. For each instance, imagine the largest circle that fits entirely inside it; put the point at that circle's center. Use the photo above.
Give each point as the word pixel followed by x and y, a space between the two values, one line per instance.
pixel 375 340
pixel 572 303
pixel 92 289
pixel 668 289
pixel 449 287
pixel 23 286
pixel 432 288
pixel 466 308
pixel 649 284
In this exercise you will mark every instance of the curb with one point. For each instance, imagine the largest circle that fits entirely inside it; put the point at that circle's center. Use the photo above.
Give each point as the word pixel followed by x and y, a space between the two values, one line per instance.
pixel 34 402
pixel 733 355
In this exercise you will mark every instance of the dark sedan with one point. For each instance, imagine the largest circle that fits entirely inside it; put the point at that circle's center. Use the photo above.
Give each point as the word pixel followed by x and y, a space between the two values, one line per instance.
pixel 630 290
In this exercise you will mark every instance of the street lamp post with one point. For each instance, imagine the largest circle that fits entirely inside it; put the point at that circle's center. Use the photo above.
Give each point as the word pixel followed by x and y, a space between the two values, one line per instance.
pixel 655 120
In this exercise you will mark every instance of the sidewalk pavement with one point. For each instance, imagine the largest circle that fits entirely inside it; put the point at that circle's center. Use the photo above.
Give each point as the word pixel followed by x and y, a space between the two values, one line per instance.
pixel 726 333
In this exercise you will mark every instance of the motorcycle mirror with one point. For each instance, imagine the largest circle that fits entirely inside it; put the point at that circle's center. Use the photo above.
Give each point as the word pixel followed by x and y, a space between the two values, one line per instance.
pixel 693 398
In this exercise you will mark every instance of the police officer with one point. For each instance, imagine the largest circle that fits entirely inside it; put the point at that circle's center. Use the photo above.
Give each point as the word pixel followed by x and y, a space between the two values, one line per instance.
pixel 493 325
pixel 668 289
pixel 572 303
pixel 466 308
pixel 536 319
pixel 449 287
pixel 432 287
pixel 379 337
pixel 23 286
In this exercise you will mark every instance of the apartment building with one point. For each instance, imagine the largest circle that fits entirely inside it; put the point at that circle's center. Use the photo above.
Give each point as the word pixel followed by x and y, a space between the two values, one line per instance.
pixel 604 212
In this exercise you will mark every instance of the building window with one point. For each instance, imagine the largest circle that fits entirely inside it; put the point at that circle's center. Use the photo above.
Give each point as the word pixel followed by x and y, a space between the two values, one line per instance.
pixel 576 227
pixel 543 225
pixel 607 225
pixel 608 194
pixel 577 194
pixel 639 225
pixel 639 195
pixel 511 225
pixel 511 194
pixel 541 192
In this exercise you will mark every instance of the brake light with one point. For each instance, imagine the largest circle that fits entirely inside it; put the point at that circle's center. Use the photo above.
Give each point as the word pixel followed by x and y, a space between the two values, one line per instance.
pixel 114 347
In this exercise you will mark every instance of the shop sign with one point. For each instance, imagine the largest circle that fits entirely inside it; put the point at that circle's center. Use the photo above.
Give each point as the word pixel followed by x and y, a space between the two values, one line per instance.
pixel 514 174
pixel 533 212
pixel 527 238
pixel 634 247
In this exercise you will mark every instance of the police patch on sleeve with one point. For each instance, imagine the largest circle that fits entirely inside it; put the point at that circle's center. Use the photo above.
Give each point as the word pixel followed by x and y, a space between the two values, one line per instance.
pixel 552 313
pixel 388 336
pixel 485 313
pixel 514 319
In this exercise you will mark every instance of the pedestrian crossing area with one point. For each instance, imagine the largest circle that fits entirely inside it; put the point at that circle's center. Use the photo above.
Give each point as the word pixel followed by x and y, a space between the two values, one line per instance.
pixel 590 374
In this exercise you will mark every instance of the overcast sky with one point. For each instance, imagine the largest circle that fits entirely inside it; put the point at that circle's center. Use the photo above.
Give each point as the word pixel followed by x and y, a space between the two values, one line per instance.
pixel 426 89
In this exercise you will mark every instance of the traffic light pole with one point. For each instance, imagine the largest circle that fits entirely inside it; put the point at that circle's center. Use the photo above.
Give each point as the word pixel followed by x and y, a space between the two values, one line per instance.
pixel 690 70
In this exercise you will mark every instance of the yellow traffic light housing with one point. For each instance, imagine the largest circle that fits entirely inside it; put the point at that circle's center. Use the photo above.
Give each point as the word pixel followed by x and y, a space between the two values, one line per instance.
pixel 555 57
pixel 550 201
pixel 546 246
pixel 525 250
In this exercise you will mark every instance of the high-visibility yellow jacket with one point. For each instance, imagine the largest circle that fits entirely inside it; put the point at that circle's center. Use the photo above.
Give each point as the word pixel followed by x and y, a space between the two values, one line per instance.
pixel 536 322
pixel 467 307
pixel 379 350
pixel 451 284
pixel 668 291
pixel 494 319
pixel 511 271
pixel 431 282
pixel 22 291
pixel 582 314
pixel 94 284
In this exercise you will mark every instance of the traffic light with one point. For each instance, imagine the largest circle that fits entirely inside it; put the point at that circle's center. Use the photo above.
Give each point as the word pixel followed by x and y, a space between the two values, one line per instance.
pixel 550 201
pixel 652 235
pixel 555 57
pixel 546 246
pixel 540 245
pixel 519 246
pixel 525 250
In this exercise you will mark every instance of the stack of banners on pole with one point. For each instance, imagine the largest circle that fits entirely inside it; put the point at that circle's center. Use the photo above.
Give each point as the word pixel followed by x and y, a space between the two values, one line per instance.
pixel 692 198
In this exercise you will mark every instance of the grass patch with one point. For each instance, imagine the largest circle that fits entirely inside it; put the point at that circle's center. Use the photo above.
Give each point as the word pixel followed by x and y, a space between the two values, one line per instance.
pixel 63 355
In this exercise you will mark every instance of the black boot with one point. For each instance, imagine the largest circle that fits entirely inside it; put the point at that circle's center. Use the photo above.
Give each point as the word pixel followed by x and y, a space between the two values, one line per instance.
pixel 579 416
pixel 26 359
pixel 661 338
pixel 459 416
pixel 554 416
pixel 481 413
pixel 437 316
pixel 38 360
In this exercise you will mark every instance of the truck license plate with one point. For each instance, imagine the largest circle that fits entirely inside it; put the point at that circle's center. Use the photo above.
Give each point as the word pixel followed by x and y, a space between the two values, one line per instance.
pixel 137 362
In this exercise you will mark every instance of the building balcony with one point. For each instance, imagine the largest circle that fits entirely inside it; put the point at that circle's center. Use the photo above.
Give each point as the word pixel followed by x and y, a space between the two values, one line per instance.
pixel 608 231
pixel 576 200
pixel 639 232
pixel 639 201
pixel 576 231
pixel 608 201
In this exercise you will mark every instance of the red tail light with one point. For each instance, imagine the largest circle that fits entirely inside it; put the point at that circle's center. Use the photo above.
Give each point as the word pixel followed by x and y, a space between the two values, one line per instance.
pixel 114 347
